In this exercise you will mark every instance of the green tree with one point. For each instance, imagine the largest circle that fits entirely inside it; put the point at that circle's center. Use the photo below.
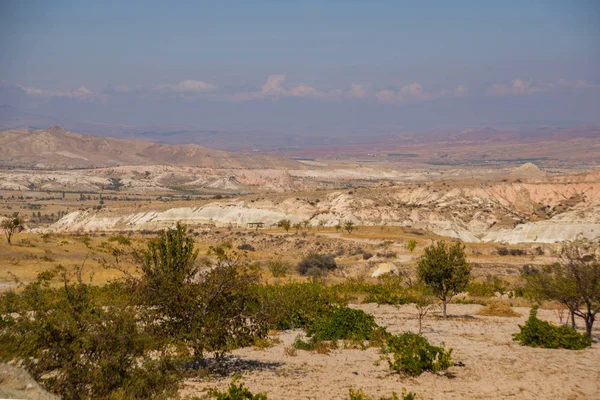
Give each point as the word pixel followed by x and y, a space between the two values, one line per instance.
pixel 11 226
pixel 444 269
pixel 285 224
pixel 349 226
pixel 574 281
pixel 411 245
pixel 337 227
pixel 214 309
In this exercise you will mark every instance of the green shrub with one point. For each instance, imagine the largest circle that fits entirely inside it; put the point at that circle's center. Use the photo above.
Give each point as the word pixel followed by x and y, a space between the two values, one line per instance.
pixel 294 305
pixel 343 323
pixel 236 391
pixel 81 350
pixel 278 268
pixel 538 333
pixel 412 355
pixel 360 395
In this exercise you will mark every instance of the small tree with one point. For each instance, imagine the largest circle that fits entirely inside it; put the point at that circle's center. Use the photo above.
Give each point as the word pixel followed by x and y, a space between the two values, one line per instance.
pixel 215 309
pixel 285 224
pixel 424 303
pixel 574 281
pixel 337 227
pixel 349 226
pixel 12 226
pixel 321 225
pixel 411 245
pixel 444 269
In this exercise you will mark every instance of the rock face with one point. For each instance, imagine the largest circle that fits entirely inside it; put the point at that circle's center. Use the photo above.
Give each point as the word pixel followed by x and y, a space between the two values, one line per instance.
pixel 16 383
pixel 513 213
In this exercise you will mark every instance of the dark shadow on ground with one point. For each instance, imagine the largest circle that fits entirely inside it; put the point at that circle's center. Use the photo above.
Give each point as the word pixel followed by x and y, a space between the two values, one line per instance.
pixel 231 365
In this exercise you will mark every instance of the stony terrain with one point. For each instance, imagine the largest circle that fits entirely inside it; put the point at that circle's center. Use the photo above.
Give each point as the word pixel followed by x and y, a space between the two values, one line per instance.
pixel 495 367
pixel 502 212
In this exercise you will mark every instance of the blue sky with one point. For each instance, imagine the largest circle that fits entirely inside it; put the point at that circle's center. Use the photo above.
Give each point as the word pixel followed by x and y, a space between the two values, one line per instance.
pixel 318 66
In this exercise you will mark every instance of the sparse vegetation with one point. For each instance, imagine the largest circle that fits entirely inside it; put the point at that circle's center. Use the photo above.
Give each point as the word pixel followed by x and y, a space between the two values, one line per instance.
pixel 360 395
pixel 236 391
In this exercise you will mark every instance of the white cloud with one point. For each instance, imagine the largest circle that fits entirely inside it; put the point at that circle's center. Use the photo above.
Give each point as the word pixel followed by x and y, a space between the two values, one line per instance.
pixel 411 93
pixel 519 86
pixel 357 91
pixel 461 91
pixel 81 93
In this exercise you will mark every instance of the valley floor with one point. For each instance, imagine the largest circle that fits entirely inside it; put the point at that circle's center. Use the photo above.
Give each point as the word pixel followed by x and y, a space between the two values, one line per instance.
pixel 495 366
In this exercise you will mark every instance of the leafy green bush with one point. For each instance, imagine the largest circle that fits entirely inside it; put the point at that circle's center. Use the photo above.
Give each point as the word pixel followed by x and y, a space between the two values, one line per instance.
pixel 294 305
pixel 343 323
pixel 316 264
pixel 81 350
pixel 412 354
pixel 538 333
pixel 236 391
pixel 360 395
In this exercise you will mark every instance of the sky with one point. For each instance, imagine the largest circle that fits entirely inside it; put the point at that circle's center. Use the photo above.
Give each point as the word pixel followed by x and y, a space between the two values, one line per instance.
pixel 303 66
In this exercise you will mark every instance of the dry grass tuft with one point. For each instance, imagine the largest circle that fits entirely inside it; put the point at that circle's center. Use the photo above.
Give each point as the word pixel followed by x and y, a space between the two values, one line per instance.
pixel 290 351
pixel 497 309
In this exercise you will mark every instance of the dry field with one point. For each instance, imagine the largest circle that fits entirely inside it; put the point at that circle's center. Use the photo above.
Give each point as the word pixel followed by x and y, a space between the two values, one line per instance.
pixel 494 366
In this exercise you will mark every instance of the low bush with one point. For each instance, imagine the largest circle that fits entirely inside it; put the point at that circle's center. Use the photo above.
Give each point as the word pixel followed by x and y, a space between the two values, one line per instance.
pixel 278 268
pixel 360 395
pixel 538 333
pixel 236 391
pixel 323 347
pixel 411 354
pixel 343 323
pixel 123 240
pixel 316 264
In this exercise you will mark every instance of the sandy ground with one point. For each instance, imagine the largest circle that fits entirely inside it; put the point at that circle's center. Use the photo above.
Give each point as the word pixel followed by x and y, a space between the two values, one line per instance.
pixel 495 366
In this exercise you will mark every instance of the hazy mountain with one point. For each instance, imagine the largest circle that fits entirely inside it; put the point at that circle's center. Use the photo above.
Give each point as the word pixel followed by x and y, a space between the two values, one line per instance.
pixel 58 148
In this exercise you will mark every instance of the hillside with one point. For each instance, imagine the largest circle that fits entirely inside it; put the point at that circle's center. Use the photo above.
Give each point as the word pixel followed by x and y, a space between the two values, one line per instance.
pixel 58 148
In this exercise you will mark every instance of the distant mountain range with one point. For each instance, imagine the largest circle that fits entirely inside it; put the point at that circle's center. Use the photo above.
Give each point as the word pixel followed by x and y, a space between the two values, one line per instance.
pixel 56 147
pixel 248 140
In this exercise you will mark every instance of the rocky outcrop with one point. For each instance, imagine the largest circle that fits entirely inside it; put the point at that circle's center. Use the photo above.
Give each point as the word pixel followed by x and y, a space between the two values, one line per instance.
pixel 512 213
